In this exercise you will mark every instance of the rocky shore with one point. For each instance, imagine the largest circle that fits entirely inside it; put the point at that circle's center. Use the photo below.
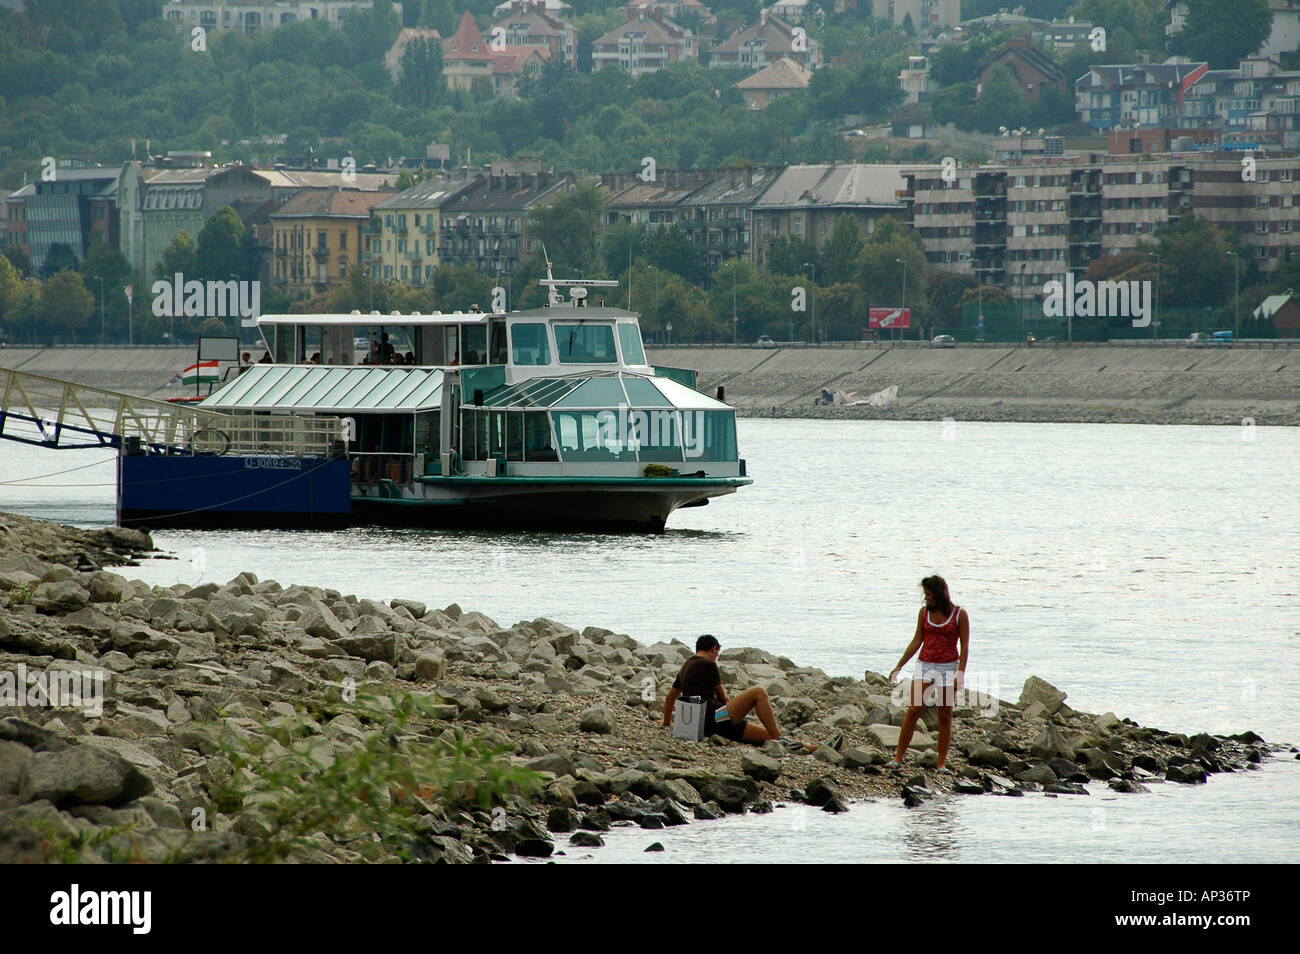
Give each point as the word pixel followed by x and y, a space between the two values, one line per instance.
pixel 255 721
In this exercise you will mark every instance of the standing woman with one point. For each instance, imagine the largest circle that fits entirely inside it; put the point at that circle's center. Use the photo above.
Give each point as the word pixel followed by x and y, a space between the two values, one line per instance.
pixel 939 628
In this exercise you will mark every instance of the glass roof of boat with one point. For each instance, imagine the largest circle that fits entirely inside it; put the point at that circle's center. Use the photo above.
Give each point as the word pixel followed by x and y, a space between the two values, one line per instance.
pixel 601 391
pixel 267 387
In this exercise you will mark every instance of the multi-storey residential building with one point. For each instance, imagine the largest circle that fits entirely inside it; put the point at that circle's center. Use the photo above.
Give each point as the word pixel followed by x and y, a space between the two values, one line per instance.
pixel 804 202
pixel 252 16
pixel 1151 94
pixel 154 204
pixel 914 80
pixel 716 216
pixel 316 237
pixel 467 57
pixel 527 24
pixel 1258 103
pixel 75 208
pixel 766 41
pixel 646 43
pixel 1018 226
pixel 485 225
pixel 927 16
pixel 656 204
pixel 1062 36
pixel 401 240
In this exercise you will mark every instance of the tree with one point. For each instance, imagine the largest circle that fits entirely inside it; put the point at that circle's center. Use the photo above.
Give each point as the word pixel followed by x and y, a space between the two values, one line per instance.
pixel 842 249
pixel 11 283
pixel 568 228
pixel 65 304
pixel 892 268
pixel 792 255
pixel 1195 267
pixel 104 261
pixel 946 291
pixel 59 257
pixel 243 108
pixel 1222 32
pixel 420 83
pixel 222 252
pixel 180 255
pixel 1001 102
pixel 19 260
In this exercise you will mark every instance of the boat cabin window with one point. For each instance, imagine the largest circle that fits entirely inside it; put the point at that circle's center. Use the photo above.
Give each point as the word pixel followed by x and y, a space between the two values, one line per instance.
pixel 577 343
pixel 385 344
pixel 529 343
pixel 512 435
pixel 629 339
pixel 498 350
pixel 473 339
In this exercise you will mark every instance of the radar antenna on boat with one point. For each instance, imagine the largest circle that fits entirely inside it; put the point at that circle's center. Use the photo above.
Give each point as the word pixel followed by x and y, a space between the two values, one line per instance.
pixel 577 286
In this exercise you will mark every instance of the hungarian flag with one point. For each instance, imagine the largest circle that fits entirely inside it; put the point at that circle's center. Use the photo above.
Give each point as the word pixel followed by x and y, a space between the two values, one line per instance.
pixel 201 372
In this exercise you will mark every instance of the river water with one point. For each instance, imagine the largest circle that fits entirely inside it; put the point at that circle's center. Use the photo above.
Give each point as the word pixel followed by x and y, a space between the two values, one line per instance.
pixel 1150 571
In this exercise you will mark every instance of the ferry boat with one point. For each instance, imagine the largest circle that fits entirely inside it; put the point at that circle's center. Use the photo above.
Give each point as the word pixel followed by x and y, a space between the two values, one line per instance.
pixel 549 418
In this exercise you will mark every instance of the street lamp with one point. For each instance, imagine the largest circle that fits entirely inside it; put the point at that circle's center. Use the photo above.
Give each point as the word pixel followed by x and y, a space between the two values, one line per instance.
pixel 1236 317
pixel 103 324
pixel 903 306
pixel 1155 321
pixel 813 265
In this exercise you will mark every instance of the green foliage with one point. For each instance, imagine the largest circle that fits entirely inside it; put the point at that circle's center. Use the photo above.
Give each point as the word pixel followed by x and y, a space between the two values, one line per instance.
pixel 568 228
pixel 1221 32
pixel 1001 103
pixel 223 250
pixel 794 256
pixel 65 304
pixel 420 82
pixel 179 255
pixel 842 249
pixel 1195 267
pixel 19 260
pixel 375 796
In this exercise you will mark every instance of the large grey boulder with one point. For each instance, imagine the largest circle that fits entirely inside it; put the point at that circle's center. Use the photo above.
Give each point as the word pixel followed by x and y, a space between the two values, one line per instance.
pixel 83 775
pixel 598 719
pixel 1042 692
pixel 759 766
pixel 14 760
pixel 61 597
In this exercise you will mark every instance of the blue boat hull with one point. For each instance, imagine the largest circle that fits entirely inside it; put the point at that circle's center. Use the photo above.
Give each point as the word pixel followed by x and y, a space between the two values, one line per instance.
pixel 156 490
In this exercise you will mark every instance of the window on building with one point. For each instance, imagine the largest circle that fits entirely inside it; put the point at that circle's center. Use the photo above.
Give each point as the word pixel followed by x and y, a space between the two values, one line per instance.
pixel 343 240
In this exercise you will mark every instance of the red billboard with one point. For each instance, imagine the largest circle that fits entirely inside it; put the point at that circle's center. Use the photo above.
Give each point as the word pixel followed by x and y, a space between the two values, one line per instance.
pixel 879 318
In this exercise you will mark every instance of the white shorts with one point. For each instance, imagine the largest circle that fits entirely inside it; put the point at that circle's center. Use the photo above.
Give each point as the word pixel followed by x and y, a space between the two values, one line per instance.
pixel 941 674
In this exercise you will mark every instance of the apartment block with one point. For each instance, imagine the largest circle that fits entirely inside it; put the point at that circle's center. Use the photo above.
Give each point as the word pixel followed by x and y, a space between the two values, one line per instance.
pixel 1018 226
pixel 252 16
pixel 74 208
pixel 317 237
pixel 400 243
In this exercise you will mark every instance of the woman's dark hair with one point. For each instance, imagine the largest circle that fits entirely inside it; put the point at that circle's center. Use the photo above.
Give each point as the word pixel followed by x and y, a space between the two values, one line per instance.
pixel 705 643
pixel 939 587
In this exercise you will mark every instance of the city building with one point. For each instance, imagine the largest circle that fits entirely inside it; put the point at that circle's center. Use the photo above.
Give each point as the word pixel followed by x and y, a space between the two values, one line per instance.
pixel 646 43
pixel 1033 70
pixel 467 57
pixel 927 16
pixel 766 41
pixel 527 24
pixel 253 16
pixel 773 81
pixel 155 204
pixel 1017 226
pixel 287 183
pixel 1062 36
pixel 716 216
pixel 803 201
pixel 75 208
pixel 1149 94
pixel 317 237
pixel 400 242
pixel 914 79
pixel 485 225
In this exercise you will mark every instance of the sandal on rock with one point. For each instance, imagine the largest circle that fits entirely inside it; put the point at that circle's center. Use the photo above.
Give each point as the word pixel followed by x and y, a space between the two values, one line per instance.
pixel 893 764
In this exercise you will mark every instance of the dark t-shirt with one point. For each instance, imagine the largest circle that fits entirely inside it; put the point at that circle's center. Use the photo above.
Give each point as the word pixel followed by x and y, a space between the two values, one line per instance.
pixel 699 677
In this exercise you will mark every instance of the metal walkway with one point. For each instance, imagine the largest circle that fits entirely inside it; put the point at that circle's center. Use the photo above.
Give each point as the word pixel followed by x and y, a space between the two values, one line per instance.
pixel 51 413
pixel 61 415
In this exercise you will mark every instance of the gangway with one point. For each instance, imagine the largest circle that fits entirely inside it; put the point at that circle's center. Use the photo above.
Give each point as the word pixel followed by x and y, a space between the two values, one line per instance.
pixel 59 414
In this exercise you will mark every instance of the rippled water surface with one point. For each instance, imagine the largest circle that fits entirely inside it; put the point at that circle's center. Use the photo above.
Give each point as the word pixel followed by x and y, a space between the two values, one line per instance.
pixel 1146 570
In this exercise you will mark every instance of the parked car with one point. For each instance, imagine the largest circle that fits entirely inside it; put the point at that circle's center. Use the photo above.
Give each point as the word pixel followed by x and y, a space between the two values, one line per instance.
pixel 764 342
pixel 943 341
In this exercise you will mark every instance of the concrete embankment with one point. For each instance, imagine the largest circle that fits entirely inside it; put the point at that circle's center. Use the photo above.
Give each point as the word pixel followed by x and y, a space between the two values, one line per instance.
pixel 1171 384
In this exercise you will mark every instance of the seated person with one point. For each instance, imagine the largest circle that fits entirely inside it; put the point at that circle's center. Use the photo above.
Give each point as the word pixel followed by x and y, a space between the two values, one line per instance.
pixel 701 677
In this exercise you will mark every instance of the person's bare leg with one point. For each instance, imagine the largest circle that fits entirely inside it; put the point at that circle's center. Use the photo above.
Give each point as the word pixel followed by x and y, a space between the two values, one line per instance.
pixel 754 699
pixel 757 735
pixel 945 733
pixel 914 711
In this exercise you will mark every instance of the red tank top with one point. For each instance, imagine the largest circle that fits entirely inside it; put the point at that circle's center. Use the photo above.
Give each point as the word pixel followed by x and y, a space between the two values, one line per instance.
pixel 940 640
